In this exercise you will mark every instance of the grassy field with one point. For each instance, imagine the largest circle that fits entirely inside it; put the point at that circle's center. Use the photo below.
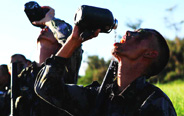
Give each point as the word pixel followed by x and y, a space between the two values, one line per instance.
pixel 175 91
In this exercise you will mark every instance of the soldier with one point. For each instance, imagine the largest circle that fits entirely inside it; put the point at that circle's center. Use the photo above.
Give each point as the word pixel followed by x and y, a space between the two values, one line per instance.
pixel 144 53
pixel 4 94
pixel 21 61
pixel 28 103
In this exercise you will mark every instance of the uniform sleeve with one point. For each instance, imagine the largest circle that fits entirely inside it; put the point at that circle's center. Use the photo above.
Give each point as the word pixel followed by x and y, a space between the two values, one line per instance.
pixel 50 87
pixel 61 31
pixel 157 105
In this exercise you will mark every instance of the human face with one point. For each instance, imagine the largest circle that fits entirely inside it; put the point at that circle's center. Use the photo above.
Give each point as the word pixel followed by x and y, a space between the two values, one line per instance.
pixel 21 62
pixel 46 44
pixel 47 35
pixel 134 45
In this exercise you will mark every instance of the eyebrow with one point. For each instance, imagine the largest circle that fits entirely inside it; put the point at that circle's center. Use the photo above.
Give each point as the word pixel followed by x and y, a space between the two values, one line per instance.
pixel 141 30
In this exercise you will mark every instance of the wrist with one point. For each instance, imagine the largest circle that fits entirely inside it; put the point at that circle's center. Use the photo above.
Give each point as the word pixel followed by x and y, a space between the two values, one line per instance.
pixel 69 47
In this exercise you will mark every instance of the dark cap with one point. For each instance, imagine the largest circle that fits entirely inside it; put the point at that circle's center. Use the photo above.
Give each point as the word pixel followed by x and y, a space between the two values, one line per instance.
pixel 63 28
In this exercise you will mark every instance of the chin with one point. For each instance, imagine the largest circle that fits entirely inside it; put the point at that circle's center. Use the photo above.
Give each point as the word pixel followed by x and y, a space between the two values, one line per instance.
pixel 115 54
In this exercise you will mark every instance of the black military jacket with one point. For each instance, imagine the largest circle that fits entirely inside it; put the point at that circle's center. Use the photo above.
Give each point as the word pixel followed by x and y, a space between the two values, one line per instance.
pixel 139 99
pixel 27 102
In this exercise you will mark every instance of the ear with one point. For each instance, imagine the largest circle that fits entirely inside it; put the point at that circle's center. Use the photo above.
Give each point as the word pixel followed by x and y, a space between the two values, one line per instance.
pixel 151 54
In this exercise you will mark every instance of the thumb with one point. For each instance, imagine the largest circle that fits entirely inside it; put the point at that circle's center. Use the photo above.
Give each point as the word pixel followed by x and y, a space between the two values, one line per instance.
pixel 38 23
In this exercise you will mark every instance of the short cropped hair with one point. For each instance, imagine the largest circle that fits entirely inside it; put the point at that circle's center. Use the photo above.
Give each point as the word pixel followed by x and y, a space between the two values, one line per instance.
pixel 4 70
pixel 14 55
pixel 164 53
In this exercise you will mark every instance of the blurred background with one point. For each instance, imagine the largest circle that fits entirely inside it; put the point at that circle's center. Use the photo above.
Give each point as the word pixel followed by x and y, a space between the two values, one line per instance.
pixel 166 16
pixel 19 36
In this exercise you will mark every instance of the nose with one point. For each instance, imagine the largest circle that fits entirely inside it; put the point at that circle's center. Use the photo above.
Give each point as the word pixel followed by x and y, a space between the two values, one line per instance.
pixel 44 30
pixel 131 33
pixel 128 33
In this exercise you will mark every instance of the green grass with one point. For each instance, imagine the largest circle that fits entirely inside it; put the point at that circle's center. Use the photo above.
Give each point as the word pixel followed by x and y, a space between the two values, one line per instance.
pixel 175 91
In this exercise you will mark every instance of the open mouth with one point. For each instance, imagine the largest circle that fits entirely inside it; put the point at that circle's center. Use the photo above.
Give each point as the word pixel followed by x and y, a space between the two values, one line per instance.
pixel 123 39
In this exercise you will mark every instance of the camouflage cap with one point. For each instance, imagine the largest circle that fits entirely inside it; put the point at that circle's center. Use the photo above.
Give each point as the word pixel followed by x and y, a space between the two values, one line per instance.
pixel 61 30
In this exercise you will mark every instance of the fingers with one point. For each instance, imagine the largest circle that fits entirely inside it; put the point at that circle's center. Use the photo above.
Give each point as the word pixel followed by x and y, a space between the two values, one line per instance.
pixel 96 32
pixel 77 34
pixel 38 22
pixel 49 16
pixel 48 7
pixel 51 12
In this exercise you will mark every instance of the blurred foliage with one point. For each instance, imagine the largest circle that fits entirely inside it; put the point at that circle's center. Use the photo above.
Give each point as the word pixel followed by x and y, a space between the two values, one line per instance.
pixel 175 67
pixel 95 71
pixel 174 70
pixel 175 92
pixel 134 25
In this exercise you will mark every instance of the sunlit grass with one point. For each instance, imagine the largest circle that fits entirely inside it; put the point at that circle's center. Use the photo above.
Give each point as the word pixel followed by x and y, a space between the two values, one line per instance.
pixel 175 91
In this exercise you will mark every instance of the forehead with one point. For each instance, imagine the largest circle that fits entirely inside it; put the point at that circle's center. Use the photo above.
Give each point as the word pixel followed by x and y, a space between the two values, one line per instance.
pixel 148 35
pixel 145 33
pixel 145 30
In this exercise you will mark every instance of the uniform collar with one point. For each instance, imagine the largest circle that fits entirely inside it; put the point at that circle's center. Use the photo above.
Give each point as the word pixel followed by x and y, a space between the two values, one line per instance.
pixel 131 90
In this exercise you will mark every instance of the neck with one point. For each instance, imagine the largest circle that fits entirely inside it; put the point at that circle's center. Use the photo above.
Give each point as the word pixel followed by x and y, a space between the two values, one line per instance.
pixel 43 55
pixel 45 51
pixel 127 73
